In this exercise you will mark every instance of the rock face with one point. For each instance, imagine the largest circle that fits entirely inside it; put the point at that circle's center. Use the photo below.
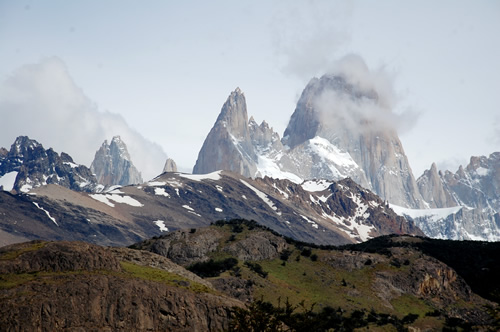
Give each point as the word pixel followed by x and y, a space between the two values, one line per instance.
pixel 170 166
pixel 343 113
pixel 77 286
pixel 228 146
pixel 37 167
pixel 473 190
pixel 321 141
pixel 112 164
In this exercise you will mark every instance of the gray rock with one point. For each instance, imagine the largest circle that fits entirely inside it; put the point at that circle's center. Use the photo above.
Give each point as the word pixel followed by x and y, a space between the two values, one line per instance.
pixel 112 164
pixel 170 166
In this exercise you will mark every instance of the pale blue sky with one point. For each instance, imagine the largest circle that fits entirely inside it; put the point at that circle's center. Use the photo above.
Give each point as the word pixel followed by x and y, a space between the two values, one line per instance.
pixel 167 67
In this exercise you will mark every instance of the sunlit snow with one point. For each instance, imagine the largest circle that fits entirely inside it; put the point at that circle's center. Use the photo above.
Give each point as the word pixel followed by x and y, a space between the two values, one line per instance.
pixel 161 192
pixel 432 214
pixel 8 180
pixel 262 196
pixel 46 212
pixel 107 198
pixel 198 177
pixel 161 225
pixel 316 185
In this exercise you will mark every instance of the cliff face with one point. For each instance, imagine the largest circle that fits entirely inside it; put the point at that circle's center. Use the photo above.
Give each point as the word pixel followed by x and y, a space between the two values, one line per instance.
pixel 80 286
pixel 228 146
pixel 352 118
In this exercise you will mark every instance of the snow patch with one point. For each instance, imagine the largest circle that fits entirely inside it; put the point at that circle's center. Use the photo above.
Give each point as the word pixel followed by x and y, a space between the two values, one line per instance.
pixel 47 213
pixel 431 214
pixel 218 209
pixel 161 192
pixel 215 176
pixel 107 198
pixel 187 207
pixel 269 167
pixel 161 225
pixel 156 183
pixel 313 224
pixel 8 180
pixel 481 171
pixel 262 196
pixel 316 185
pixel 72 165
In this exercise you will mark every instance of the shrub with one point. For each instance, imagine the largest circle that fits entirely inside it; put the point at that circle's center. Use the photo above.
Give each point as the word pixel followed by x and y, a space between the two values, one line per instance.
pixel 212 268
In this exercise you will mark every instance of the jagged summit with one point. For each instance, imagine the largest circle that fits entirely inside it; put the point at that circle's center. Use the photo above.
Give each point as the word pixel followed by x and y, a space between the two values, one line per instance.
pixel 228 145
pixel 112 164
pixel 30 166
pixel 334 133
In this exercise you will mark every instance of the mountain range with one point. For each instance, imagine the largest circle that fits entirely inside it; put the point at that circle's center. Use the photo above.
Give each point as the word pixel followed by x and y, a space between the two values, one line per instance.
pixel 339 130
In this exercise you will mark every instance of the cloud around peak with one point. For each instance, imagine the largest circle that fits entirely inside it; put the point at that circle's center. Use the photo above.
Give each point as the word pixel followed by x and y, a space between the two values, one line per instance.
pixel 42 101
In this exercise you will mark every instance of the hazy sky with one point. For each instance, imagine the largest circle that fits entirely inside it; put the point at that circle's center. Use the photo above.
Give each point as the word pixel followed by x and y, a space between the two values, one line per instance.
pixel 73 73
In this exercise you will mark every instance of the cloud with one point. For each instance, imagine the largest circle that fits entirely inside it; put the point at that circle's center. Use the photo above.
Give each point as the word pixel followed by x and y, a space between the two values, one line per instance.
pixel 308 35
pixel 372 109
pixel 42 101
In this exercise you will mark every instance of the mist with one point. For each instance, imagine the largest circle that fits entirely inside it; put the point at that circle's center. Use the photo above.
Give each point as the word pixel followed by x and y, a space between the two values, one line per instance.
pixel 374 111
pixel 43 102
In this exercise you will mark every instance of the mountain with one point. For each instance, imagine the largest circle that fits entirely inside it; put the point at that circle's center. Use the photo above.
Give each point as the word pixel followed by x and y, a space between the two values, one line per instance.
pixel 112 164
pixel 320 142
pixel 322 212
pixel 346 115
pixel 28 165
pixel 466 203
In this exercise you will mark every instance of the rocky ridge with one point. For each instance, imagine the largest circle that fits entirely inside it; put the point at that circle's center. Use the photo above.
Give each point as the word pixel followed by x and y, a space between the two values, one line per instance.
pixel 314 211
pixel 466 204
pixel 32 166
pixel 112 164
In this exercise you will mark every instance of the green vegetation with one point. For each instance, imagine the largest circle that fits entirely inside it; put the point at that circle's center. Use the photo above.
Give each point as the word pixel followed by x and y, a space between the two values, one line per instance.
pixel 165 277
pixel 31 246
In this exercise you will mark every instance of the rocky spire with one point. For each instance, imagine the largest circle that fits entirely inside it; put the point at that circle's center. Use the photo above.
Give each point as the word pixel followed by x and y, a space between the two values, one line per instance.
pixel 112 164
pixel 228 146
pixel 170 166
pixel 432 189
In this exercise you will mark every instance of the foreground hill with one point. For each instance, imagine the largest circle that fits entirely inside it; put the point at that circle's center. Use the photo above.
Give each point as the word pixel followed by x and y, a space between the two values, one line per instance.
pixel 74 286
pixel 249 279
pixel 400 277
pixel 320 212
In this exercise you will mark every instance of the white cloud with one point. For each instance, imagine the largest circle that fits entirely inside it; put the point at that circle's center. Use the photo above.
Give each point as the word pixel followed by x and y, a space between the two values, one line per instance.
pixel 308 35
pixel 374 110
pixel 42 101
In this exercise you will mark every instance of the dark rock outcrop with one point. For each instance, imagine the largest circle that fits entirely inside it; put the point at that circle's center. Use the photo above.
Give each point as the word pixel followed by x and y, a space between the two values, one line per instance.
pixel 37 167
